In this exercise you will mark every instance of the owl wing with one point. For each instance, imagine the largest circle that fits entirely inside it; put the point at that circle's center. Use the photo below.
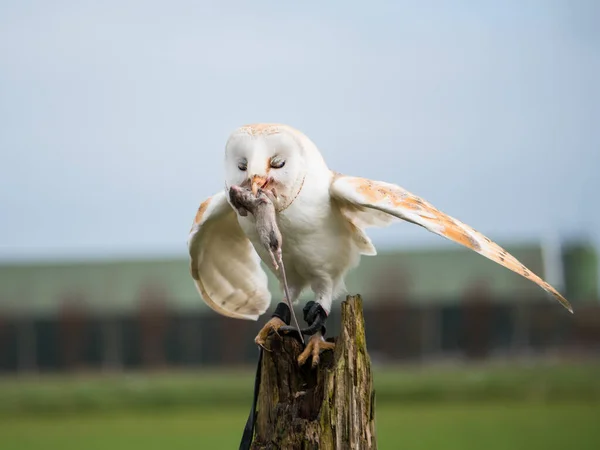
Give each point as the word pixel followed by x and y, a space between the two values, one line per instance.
pixel 223 263
pixel 365 196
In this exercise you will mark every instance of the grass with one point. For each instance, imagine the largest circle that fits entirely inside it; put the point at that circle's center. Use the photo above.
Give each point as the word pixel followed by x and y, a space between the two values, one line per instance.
pixel 140 391
pixel 470 407
pixel 493 426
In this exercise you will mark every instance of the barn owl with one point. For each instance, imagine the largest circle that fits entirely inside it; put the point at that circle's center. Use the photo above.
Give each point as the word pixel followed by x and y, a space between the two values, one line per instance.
pixel 322 216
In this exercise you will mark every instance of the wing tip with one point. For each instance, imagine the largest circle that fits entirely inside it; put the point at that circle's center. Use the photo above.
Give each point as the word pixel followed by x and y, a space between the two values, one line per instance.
pixel 569 308
pixel 563 301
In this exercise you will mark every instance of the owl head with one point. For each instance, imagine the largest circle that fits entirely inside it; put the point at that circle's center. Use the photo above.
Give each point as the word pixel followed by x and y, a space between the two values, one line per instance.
pixel 272 157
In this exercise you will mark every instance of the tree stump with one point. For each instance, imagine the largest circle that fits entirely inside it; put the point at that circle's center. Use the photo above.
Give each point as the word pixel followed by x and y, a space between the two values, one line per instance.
pixel 329 407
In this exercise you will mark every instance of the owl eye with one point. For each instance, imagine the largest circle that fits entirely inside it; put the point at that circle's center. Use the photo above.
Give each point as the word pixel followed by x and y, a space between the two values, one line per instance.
pixel 243 165
pixel 277 163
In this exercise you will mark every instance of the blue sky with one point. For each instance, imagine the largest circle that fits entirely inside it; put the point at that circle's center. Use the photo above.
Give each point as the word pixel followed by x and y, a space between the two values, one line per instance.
pixel 114 115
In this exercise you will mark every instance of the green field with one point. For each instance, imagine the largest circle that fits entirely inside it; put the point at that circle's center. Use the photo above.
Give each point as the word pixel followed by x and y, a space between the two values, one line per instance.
pixel 493 426
pixel 545 407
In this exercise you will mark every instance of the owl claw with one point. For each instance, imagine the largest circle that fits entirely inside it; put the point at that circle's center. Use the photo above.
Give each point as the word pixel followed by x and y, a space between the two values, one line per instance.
pixel 316 345
pixel 272 326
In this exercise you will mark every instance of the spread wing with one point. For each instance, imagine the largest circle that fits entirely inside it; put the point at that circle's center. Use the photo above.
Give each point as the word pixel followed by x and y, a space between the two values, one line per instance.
pixel 223 263
pixel 365 195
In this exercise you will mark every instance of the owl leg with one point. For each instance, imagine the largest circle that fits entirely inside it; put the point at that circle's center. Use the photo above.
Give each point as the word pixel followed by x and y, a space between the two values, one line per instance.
pixel 315 314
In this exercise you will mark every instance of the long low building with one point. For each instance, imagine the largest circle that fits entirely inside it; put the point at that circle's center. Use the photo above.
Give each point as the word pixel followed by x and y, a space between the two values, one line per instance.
pixel 418 304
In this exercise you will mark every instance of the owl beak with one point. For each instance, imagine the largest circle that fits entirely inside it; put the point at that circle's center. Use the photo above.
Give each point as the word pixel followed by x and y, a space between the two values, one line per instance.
pixel 257 183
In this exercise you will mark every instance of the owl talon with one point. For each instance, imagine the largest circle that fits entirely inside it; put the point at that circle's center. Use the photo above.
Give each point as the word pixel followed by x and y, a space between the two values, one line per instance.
pixel 316 345
pixel 272 326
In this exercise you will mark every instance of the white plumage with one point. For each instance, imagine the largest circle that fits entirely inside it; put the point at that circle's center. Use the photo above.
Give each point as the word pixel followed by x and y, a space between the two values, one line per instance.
pixel 322 216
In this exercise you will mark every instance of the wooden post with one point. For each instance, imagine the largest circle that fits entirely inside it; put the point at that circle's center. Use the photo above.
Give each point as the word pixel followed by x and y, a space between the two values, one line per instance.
pixel 326 408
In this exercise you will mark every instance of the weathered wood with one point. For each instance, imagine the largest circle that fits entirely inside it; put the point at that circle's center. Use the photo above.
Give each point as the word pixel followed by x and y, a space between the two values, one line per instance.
pixel 326 408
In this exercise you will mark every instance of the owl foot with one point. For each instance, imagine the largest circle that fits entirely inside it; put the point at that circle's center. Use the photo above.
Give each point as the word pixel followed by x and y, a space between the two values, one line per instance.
pixel 273 325
pixel 316 345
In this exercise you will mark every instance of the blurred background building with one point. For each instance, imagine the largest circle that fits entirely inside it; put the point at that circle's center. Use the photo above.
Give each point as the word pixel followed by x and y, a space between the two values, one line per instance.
pixel 427 304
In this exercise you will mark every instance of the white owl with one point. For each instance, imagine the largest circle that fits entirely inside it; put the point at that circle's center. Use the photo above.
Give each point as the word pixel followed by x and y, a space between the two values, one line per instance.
pixel 322 216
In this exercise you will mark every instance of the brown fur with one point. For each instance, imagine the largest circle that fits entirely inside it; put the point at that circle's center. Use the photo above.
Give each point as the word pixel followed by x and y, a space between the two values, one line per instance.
pixel 262 208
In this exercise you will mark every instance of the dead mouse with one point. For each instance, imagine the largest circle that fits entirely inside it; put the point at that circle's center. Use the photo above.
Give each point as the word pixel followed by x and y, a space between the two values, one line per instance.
pixel 263 210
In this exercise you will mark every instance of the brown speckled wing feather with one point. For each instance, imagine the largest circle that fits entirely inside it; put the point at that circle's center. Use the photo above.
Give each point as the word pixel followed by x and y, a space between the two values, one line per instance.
pixel 396 201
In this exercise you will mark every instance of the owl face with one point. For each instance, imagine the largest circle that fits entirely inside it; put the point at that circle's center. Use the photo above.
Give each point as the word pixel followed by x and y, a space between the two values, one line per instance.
pixel 273 161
